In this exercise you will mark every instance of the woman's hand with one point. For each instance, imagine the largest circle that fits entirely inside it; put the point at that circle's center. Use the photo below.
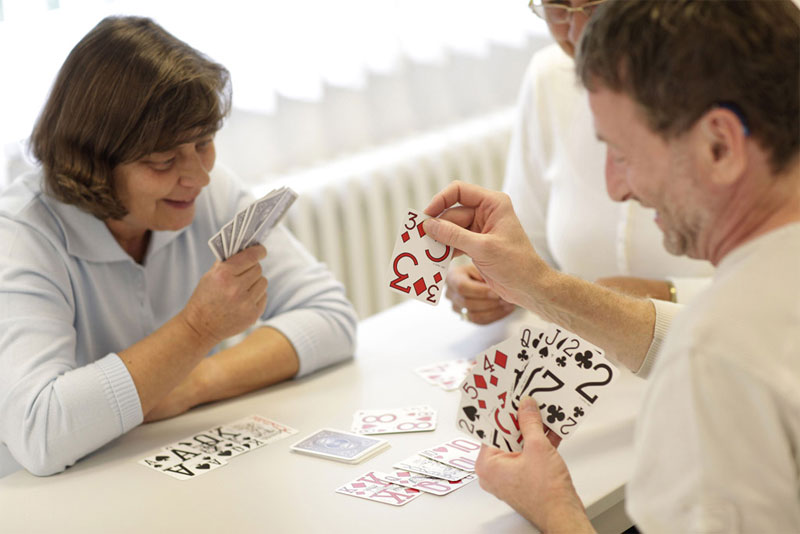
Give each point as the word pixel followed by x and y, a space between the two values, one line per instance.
pixel 230 297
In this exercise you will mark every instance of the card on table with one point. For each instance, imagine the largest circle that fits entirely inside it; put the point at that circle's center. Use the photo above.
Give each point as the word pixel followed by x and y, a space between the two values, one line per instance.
pixel 428 484
pixel 208 449
pixel 426 466
pixel 182 463
pixel 393 421
pixel 460 453
pixel 419 263
pixel 448 374
pixel 340 446
pixel 369 486
pixel 252 224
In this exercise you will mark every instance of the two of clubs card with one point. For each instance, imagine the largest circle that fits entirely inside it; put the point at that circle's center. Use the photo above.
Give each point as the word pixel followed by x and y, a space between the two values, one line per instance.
pixel 210 449
pixel 253 224
pixel 419 263
pixel 437 470
pixel 565 375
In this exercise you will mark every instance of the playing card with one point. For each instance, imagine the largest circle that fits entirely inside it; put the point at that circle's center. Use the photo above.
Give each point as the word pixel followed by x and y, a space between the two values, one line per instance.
pixel 207 444
pixel 240 221
pixel 419 264
pixel 460 453
pixel 254 428
pixel 182 463
pixel 339 445
pixel 566 376
pixel 448 374
pixel 409 419
pixel 252 224
pixel 217 246
pixel 370 487
pixel 428 484
pixel 426 466
pixel 285 199
pixel 487 410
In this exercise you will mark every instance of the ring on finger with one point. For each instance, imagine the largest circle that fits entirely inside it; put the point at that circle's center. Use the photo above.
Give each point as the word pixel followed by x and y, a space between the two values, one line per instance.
pixel 464 312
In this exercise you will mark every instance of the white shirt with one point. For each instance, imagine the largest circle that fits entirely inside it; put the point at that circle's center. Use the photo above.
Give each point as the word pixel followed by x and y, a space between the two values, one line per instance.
pixel 555 175
pixel 72 298
pixel 718 437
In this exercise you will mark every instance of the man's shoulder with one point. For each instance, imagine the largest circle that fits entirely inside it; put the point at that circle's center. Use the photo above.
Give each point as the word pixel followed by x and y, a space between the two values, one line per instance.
pixel 752 308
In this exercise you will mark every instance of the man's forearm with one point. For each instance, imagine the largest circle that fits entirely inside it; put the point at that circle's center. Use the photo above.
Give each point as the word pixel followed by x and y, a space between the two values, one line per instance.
pixel 620 324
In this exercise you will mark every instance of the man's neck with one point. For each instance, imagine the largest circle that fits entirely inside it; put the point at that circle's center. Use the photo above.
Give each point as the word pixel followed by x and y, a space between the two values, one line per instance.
pixel 754 208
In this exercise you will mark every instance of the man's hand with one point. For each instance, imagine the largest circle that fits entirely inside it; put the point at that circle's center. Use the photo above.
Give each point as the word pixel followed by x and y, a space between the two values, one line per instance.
pixel 535 482
pixel 467 290
pixel 486 228
pixel 229 297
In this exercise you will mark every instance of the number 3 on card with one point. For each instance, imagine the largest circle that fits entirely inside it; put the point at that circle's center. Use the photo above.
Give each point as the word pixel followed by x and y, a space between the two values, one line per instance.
pixel 419 263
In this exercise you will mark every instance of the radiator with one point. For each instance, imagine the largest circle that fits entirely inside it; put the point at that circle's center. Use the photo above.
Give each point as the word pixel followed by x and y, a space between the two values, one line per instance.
pixel 348 211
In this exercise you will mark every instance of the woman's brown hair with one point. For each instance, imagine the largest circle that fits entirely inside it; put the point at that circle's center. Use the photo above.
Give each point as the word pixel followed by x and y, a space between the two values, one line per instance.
pixel 127 89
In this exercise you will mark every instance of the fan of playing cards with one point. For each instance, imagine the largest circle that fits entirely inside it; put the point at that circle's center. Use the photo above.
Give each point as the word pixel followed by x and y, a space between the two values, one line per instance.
pixel 564 373
pixel 252 224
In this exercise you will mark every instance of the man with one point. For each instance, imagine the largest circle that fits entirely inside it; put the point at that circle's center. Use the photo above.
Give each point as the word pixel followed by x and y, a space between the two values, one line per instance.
pixel 697 103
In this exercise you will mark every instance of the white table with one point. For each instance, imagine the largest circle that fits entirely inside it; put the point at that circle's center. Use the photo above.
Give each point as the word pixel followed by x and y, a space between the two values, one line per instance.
pixel 274 490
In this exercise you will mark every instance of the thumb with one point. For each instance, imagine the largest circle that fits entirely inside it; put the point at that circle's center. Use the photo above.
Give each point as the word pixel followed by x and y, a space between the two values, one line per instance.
pixel 530 423
pixel 451 234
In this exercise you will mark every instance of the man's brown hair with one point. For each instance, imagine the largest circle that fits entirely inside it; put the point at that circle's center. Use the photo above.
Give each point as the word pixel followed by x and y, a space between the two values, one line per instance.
pixel 127 89
pixel 678 58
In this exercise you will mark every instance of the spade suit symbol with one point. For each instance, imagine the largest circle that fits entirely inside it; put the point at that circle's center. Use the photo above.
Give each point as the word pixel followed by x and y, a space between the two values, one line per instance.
pixel 471 412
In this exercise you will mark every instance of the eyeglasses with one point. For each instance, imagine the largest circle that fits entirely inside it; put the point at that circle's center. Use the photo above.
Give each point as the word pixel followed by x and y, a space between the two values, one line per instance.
pixel 560 11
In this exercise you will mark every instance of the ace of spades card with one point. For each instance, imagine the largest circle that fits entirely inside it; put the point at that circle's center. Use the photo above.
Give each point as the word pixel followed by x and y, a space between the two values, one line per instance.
pixel 487 409
pixel 419 263
pixel 566 375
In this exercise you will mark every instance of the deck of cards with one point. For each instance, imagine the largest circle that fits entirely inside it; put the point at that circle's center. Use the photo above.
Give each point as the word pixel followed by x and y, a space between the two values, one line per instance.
pixel 564 373
pixel 340 446
pixel 419 263
pixel 437 470
pixel 252 225
pixel 210 449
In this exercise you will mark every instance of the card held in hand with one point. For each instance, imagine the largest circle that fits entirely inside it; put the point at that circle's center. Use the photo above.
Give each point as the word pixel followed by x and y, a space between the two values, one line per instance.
pixel 252 224
pixel 565 374
pixel 419 263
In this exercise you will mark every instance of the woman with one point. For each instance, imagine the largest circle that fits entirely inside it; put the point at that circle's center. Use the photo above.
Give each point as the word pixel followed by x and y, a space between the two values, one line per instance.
pixel 554 176
pixel 111 297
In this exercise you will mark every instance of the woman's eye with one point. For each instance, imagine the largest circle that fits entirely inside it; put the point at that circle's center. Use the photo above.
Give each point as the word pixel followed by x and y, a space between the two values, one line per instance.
pixel 163 164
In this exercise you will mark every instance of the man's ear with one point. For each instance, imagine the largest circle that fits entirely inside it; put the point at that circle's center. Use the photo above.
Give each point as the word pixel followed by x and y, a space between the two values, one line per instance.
pixel 724 145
